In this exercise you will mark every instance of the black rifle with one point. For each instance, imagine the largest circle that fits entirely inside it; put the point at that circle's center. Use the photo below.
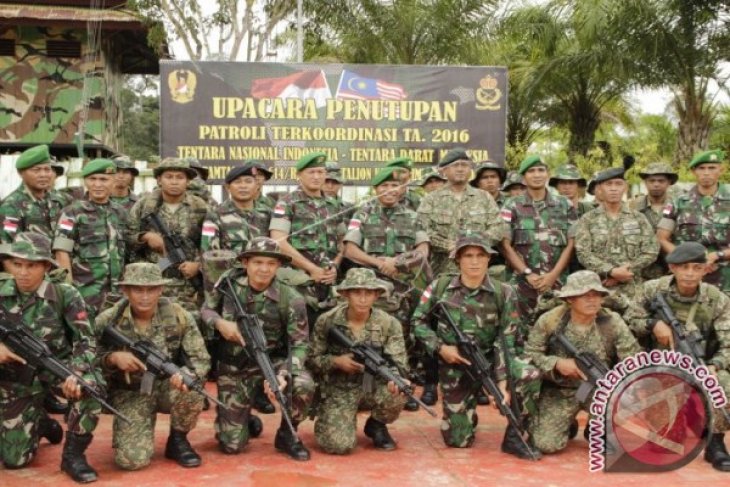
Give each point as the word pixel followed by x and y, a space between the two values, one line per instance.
pixel 479 371
pixel 174 248
pixel 376 365
pixel 691 344
pixel 253 336
pixel 587 362
pixel 158 364
pixel 37 354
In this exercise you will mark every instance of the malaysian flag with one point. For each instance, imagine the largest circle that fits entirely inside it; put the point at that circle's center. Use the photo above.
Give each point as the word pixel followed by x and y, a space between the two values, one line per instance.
pixel 355 87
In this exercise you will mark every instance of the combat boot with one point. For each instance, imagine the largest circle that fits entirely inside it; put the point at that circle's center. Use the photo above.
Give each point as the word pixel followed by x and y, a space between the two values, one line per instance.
pixel 716 453
pixel 261 403
pixel 513 444
pixel 429 396
pixel 288 443
pixel 255 426
pixel 378 432
pixel 482 398
pixel 179 449
pixel 573 430
pixel 53 406
pixel 411 405
pixel 49 429
pixel 73 460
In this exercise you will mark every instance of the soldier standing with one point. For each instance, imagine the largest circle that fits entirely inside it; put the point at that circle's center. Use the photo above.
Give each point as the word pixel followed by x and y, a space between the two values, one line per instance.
pixel 408 197
pixel 514 185
pixel 489 176
pixel 283 316
pixel 431 180
pixel 54 312
pixel 537 246
pixel 568 182
pixel 263 174
pixel 613 240
pixel 33 206
pixel 702 308
pixel 90 238
pixel 123 189
pixel 454 208
pixel 701 215
pixel 145 315
pixel 590 328
pixel 198 185
pixel 344 387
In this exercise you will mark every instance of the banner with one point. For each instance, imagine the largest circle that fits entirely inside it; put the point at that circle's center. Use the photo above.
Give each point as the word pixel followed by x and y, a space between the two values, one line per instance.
pixel 360 115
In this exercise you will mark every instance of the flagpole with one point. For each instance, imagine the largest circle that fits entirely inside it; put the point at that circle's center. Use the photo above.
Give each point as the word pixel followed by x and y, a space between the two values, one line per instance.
pixel 300 33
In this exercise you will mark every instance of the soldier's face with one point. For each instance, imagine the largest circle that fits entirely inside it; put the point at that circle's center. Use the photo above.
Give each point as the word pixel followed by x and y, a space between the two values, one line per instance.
pixel 458 172
pixel 312 178
pixel 331 188
pixel 489 181
pixel 569 189
pixel 612 191
pixel 588 304
pixel 657 186
pixel 99 187
pixel 388 193
pixel 516 190
pixel 39 177
pixel 688 275
pixel 173 183
pixel 28 274
pixel 243 189
pixel 708 174
pixel 261 270
pixel 361 300
pixel 123 179
pixel 536 177
pixel 473 262
pixel 143 299
pixel 433 184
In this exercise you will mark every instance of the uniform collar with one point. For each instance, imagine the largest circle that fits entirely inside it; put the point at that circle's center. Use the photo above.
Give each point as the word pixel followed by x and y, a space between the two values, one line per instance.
pixel 486 285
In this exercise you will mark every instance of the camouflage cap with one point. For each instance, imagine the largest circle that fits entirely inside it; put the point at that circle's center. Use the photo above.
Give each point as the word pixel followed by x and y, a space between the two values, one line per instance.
pixel 528 162
pixel 175 164
pixel 471 239
pixel 39 154
pixel 688 252
pixel 567 172
pixel 513 179
pixel 99 166
pixel 580 283
pixel 124 163
pixel 454 155
pixel 362 278
pixel 401 162
pixel 313 159
pixel 31 246
pixel 659 169
pixel 709 156
pixel 143 274
pixel 428 174
pixel 202 171
pixel 483 166
pixel 266 247
pixel 334 173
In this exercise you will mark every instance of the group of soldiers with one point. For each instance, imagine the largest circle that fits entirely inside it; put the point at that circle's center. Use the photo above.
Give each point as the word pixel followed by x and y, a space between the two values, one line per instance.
pixel 509 260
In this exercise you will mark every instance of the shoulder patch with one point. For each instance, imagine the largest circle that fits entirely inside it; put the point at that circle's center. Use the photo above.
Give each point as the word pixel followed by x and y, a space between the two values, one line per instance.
pixel 506 214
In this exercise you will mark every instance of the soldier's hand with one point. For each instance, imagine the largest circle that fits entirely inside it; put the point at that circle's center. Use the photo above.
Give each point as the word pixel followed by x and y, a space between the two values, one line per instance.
pixel 567 367
pixel 324 276
pixel 610 282
pixel 450 355
pixel 189 269
pixel 386 265
pixel 502 385
pixel 622 273
pixel 176 381
pixel 546 281
pixel 71 388
pixel 154 241
pixel 663 334
pixel 7 355
pixel 392 388
pixel 281 379
pixel 127 362
pixel 229 331
pixel 533 280
pixel 346 364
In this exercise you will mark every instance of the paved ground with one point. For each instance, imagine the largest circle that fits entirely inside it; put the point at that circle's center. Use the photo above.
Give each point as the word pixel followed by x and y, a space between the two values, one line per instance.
pixel 421 460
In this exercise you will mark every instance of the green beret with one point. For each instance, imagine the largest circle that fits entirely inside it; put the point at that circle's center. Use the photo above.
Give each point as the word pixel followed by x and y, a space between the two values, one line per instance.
pixel 528 162
pixel 454 155
pixel 99 166
pixel 313 159
pixel 402 162
pixel 709 156
pixel 688 252
pixel 33 156
pixel 385 174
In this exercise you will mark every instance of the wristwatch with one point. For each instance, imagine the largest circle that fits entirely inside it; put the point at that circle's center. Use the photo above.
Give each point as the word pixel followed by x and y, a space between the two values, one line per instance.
pixel 720 255
pixel 527 271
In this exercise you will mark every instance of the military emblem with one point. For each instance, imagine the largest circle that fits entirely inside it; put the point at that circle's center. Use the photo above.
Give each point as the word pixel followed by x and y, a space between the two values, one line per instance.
pixel 488 94
pixel 182 85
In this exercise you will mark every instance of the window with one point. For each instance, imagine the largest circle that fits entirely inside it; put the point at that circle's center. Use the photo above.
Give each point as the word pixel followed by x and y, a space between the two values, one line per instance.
pixel 63 48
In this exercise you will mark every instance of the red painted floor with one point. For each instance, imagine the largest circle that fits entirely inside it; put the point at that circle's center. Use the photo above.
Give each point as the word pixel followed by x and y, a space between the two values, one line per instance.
pixel 421 460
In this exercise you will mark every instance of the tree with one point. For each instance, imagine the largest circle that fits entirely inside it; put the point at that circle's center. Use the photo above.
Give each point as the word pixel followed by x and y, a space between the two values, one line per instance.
pixel 140 130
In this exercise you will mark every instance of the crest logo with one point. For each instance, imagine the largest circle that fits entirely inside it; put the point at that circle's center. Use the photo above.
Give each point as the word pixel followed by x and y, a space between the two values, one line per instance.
pixel 488 94
pixel 182 85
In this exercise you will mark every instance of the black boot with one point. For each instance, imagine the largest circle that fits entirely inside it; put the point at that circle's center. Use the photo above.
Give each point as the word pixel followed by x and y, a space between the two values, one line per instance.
pixel 573 430
pixel 179 449
pixel 716 453
pixel 287 443
pixel 411 405
pixel 482 398
pixel 73 460
pixel 49 429
pixel 261 403
pixel 378 432
pixel 255 426
pixel 513 444
pixel 53 406
pixel 429 396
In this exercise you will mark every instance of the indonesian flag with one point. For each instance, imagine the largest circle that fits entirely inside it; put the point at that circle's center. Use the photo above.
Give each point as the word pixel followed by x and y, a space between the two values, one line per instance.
pixel 426 294
pixel 506 215
pixel 354 224
pixel 208 229
pixel 302 85
pixel 668 209
pixel 10 225
pixel 66 224
pixel 280 209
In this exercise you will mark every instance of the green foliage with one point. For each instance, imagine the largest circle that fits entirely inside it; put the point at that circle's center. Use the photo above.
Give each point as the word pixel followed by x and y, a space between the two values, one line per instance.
pixel 139 138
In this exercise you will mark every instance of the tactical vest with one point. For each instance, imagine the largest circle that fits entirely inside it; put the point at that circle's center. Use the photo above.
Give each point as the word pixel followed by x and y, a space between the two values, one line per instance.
pixel 389 237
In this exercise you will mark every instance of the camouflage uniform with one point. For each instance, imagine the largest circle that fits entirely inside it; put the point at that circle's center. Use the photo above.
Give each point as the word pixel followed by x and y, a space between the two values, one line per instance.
pixel 22 212
pixel 126 202
pixel 442 216
pixel 343 394
pixel 538 232
pixel 264 202
pixel 231 228
pixel 173 331
pixel 197 187
pixel 602 243
pixel 94 237
pixel 411 200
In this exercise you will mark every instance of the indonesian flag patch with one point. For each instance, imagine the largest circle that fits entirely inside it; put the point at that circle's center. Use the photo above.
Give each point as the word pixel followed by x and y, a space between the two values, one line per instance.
pixel 280 209
pixel 426 294
pixel 208 229
pixel 506 214
pixel 10 224
pixel 354 224
pixel 81 315
pixel 668 209
pixel 66 224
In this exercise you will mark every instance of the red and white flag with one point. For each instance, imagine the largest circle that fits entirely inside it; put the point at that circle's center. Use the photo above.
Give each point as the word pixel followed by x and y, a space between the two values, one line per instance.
pixel 302 85
pixel 66 224
pixel 354 224
pixel 208 229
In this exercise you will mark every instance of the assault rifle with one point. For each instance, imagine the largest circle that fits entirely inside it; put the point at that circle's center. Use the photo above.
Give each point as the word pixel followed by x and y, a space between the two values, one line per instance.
pixel 587 362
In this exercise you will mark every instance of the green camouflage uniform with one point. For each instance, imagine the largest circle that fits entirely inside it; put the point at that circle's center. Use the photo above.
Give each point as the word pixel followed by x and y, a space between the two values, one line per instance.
pixel 55 312
pixel 127 202
pixel 94 237
pixel 603 243
pixel 282 313
pixel 265 202
pixel 174 332
pixel 609 338
pixel 442 216
pixel 197 187
pixel 22 212
pixel 642 205
pixel 342 394
pixel 411 200
pixel 703 219
pixel 488 314
pixel 231 228
pixel 538 232
pixel 710 310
